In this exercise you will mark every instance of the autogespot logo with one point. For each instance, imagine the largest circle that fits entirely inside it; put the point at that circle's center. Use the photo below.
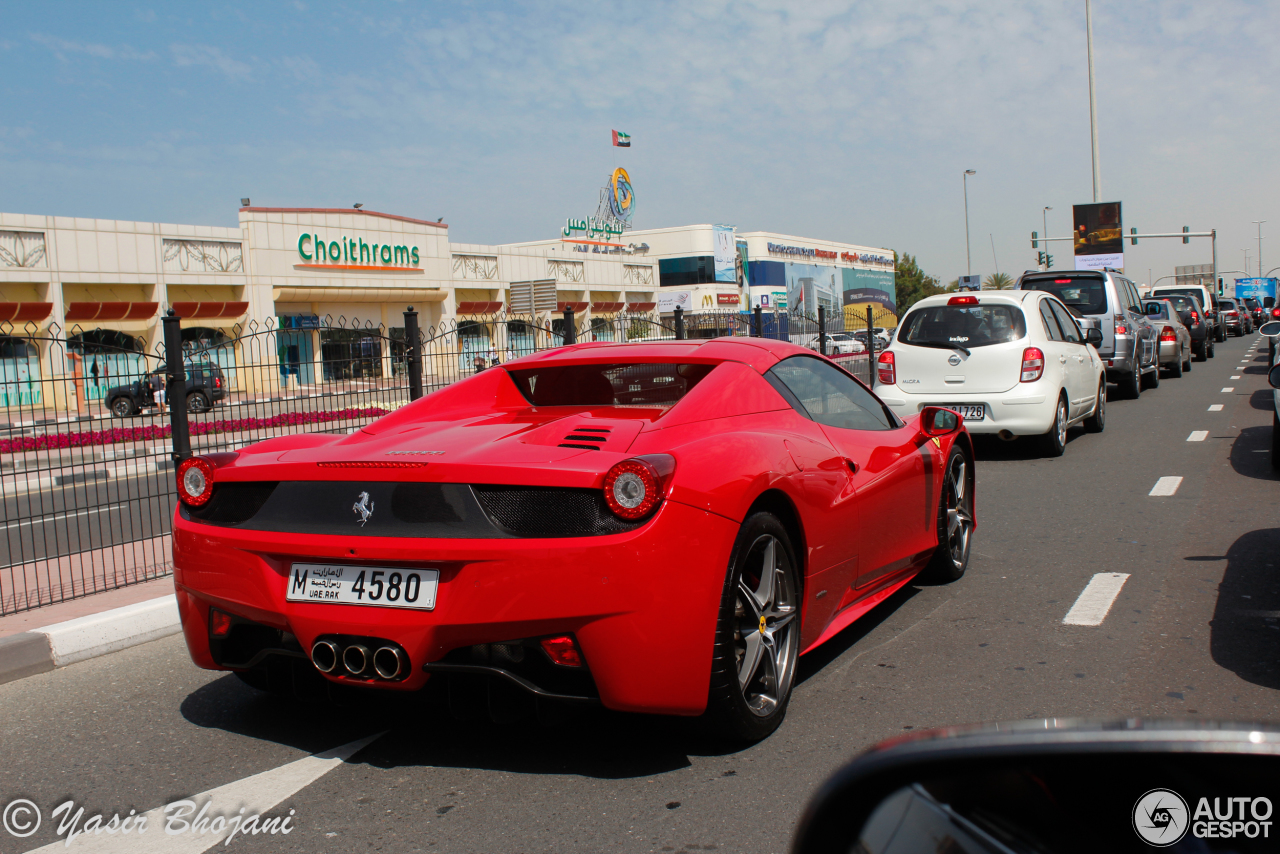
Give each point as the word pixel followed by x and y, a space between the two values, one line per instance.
pixel 1160 817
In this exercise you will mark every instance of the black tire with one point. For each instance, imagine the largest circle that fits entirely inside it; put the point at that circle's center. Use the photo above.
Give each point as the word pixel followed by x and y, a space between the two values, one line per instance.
pixel 1186 363
pixel 1055 441
pixel 1275 441
pixel 1212 349
pixel 1097 420
pixel 748 709
pixel 955 519
pixel 1200 349
pixel 1152 379
pixel 122 407
pixel 1131 384
pixel 1222 334
pixel 197 402
pixel 1175 369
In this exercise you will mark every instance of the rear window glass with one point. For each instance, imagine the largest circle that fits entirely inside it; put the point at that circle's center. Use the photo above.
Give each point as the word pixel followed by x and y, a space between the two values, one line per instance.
pixel 1083 295
pixel 1156 309
pixel 1181 303
pixel 1251 302
pixel 1227 303
pixel 1197 293
pixel 963 325
pixel 646 384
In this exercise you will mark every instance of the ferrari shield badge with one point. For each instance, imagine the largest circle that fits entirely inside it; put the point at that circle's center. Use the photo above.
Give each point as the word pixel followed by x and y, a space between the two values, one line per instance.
pixel 364 507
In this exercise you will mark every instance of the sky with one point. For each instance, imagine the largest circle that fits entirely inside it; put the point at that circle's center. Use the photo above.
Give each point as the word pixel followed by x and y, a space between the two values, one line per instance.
pixel 851 122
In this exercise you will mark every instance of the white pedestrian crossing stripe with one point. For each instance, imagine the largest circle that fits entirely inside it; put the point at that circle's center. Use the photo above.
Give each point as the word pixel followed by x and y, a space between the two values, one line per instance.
pixel 1166 486
pixel 1096 599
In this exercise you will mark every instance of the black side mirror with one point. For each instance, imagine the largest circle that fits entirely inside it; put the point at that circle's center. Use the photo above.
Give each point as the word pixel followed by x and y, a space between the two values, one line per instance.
pixel 1037 786
pixel 1093 335
pixel 1273 376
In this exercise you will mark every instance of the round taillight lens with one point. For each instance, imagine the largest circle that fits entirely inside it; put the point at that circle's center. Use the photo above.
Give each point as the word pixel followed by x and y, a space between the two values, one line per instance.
pixel 195 481
pixel 631 489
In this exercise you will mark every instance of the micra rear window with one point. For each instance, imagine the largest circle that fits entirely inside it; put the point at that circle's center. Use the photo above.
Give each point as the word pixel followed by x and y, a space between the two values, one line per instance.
pixel 646 384
pixel 1083 294
pixel 965 326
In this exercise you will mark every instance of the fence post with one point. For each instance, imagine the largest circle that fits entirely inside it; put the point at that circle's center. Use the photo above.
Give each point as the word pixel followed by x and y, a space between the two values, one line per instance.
pixel 822 329
pixel 758 324
pixel 176 393
pixel 679 323
pixel 871 350
pixel 570 331
pixel 413 354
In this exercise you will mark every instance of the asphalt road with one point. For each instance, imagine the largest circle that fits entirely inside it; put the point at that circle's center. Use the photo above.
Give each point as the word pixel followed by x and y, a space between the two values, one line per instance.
pixel 1194 633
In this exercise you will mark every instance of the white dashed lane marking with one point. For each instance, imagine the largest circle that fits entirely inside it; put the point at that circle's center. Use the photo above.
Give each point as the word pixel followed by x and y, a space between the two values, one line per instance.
pixel 1166 486
pixel 1217 407
pixel 1228 388
pixel 1096 599
pixel 1235 378
pixel 1198 436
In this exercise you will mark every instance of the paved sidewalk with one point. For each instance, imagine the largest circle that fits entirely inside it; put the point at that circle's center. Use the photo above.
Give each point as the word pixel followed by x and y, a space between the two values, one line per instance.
pixel 96 603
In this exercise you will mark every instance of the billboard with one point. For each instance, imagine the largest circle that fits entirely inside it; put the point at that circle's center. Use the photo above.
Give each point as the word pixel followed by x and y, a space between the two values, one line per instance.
pixel 811 285
pixel 744 279
pixel 869 287
pixel 725 252
pixel 668 300
pixel 1263 290
pixel 1098 237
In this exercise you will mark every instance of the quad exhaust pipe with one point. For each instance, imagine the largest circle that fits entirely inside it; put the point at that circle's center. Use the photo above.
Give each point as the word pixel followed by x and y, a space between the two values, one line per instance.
pixel 356 659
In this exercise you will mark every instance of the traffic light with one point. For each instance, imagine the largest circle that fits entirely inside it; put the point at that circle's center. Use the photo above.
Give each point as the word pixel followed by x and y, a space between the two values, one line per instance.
pixel 1185 229
pixel 1035 242
pixel 1048 261
pixel 1133 241
pixel 1040 259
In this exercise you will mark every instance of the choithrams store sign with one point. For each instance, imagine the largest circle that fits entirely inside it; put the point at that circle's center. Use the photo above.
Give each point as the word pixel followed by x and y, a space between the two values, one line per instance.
pixel 320 253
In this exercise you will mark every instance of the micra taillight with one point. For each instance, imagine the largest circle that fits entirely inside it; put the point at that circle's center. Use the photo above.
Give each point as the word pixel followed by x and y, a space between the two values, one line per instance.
pixel 1032 364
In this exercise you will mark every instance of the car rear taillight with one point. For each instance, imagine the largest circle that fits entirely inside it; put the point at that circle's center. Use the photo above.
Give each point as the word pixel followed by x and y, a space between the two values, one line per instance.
pixel 217 382
pixel 1062 281
pixel 1275 312
pixel 633 488
pixel 963 301
pixel 1121 329
pixel 562 650
pixel 886 368
pixel 1195 317
pixel 195 481
pixel 1231 312
pixel 1032 364
pixel 1167 334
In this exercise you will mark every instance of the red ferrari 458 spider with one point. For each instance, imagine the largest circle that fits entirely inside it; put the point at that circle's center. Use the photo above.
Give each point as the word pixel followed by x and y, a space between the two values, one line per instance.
pixel 655 527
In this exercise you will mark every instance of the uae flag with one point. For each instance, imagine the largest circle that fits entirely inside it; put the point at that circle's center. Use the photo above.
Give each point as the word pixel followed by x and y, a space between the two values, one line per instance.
pixel 621 140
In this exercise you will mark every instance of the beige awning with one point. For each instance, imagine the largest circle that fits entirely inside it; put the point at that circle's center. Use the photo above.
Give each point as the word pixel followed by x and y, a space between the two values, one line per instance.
pixel 358 294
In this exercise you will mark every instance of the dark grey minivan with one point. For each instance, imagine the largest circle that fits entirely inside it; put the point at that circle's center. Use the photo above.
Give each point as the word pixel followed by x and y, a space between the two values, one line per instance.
pixel 1130 343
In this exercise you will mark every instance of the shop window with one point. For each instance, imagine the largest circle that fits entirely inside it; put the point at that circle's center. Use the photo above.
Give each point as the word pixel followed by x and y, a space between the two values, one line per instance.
pixel 678 272
pixel 110 358
pixel 350 354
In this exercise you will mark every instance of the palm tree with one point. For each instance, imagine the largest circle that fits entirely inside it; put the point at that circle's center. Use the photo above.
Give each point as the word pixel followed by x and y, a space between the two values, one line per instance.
pixel 997 282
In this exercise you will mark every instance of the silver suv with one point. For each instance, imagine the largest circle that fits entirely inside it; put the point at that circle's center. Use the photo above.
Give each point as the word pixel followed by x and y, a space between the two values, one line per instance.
pixel 1130 343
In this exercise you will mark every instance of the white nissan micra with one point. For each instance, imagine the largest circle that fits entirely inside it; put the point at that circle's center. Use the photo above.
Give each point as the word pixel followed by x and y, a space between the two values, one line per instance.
pixel 1014 363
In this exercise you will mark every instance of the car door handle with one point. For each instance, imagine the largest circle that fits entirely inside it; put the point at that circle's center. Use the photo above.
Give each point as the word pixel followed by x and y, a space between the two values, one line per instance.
pixel 853 467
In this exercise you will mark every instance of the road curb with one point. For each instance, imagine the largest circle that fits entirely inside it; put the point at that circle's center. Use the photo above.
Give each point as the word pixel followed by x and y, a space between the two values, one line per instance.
pixel 60 644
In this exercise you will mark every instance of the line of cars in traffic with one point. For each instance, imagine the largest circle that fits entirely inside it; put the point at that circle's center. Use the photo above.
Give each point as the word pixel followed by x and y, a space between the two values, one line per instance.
pixel 1036 360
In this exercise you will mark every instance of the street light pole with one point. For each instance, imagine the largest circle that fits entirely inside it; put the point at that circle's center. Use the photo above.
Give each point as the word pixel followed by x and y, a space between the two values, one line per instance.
pixel 968 262
pixel 1044 219
pixel 1093 106
pixel 1258 223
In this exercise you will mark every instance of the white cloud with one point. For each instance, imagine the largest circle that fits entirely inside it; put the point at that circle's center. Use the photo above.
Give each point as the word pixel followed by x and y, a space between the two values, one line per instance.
pixel 62 47
pixel 208 56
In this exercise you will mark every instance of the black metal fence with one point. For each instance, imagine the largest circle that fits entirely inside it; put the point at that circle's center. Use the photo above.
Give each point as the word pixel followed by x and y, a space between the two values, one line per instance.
pixel 94 424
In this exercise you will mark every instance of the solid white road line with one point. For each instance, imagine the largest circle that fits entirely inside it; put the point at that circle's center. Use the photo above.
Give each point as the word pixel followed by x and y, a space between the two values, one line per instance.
pixel 1228 388
pixel 258 794
pixel 1198 436
pixel 1217 407
pixel 1096 599
pixel 57 515
pixel 1166 486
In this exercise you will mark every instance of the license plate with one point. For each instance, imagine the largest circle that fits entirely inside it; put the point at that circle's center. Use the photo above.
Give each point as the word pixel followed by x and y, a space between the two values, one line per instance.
pixel 970 411
pixel 381 586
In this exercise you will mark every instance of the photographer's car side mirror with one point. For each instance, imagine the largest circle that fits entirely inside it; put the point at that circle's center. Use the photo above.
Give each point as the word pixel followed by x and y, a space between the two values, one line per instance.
pixel 1054 786
pixel 1093 336
pixel 1270 329
pixel 1273 376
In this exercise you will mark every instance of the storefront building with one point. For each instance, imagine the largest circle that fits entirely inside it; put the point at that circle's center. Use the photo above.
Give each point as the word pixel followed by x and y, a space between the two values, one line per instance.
pixel 308 272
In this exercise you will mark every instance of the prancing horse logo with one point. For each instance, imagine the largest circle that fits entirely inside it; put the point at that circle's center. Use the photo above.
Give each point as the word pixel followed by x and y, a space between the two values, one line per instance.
pixel 364 507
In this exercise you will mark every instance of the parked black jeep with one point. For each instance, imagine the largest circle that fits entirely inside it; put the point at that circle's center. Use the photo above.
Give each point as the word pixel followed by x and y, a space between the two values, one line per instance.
pixel 205 386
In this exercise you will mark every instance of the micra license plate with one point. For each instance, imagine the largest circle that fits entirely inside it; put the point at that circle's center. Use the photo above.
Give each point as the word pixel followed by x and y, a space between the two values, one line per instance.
pixel 970 411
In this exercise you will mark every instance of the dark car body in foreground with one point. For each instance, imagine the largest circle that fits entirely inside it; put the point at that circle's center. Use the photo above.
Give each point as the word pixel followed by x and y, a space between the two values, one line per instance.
pixel 659 527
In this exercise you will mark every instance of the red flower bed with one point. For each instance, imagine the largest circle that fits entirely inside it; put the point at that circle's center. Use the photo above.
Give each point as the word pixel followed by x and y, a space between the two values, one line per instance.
pixel 55 441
